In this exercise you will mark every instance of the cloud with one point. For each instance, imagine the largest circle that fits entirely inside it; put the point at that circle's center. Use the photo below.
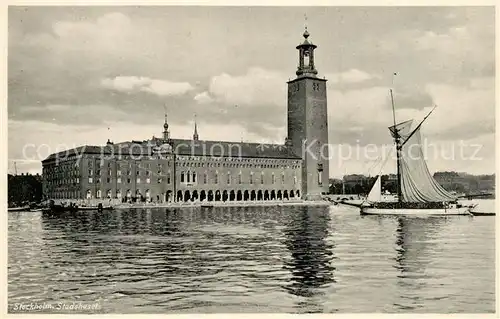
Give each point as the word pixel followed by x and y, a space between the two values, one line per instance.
pixel 257 87
pixel 351 76
pixel 203 98
pixel 135 84
pixel 463 111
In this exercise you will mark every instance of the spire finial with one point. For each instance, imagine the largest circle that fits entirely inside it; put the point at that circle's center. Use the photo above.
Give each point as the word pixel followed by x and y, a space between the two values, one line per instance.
pixel 306 33
pixel 195 135
pixel 165 124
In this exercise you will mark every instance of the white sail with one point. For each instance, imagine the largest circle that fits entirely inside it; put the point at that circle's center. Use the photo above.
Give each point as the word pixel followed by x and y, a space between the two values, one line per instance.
pixel 417 183
pixel 375 194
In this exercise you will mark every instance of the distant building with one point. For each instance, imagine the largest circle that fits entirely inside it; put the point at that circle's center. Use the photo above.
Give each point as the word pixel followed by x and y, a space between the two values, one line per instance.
pixel 167 169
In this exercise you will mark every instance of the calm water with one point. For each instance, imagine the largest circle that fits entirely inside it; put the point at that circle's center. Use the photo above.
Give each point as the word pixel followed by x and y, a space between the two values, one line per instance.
pixel 252 260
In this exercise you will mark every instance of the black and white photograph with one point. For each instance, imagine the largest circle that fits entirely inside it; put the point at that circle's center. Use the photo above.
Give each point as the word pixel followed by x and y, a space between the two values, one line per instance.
pixel 239 159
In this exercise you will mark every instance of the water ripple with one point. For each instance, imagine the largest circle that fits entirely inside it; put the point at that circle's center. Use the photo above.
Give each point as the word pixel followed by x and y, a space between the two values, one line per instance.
pixel 296 260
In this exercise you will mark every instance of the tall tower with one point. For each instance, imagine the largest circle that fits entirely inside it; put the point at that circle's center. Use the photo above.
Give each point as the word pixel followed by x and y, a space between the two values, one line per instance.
pixel 308 122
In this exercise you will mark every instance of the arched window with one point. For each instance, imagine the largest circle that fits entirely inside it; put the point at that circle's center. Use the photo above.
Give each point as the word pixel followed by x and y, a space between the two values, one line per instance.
pixel 188 175
pixel 194 177
pixel 98 193
pixel 182 177
pixel 118 194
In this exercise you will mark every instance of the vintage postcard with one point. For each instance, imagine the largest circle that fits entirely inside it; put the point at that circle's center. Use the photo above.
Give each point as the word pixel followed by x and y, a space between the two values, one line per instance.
pixel 175 159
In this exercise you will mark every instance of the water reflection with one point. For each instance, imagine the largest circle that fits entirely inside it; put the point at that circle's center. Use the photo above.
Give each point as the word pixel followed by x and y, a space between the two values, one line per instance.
pixel 415 248
pixel 311 255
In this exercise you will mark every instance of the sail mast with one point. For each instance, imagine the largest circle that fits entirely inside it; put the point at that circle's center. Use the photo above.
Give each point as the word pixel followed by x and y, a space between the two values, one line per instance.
pixel 398 149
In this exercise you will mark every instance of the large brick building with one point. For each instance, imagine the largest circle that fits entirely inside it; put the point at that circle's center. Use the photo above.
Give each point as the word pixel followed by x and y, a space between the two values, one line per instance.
pixel 167 169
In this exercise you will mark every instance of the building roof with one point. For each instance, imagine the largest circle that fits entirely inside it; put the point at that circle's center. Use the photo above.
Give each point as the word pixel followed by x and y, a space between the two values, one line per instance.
pixel 184 147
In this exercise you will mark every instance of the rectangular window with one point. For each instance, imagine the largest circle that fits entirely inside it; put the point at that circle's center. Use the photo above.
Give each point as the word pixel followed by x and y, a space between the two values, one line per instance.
pixel 90 180
pixel 319 178
pixel 216 179
pixel 98 180
pixel 273 179
pixel 119 180
pixel 282 178
pixel 148 180
pixel 138 180
pixel 228 178
pixel 90 172
pixel 239 178
pixel 194 177
pixel 119 173
pixel 188 177
pixel 205 177
pixel 251 178
pixel 168 178
pixel 98 172
pixel 108 180
pixel 128 180
pixel 148 173
pixel 262 178
pixel 182 177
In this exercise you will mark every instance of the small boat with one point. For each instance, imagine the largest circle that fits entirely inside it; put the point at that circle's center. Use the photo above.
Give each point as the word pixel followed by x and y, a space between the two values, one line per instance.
pixel 18 209
pixel 418 193
pixel 62 208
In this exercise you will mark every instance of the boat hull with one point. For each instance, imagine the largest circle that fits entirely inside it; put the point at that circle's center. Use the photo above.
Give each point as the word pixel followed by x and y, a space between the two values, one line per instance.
pixel 416 211
pixel 18 209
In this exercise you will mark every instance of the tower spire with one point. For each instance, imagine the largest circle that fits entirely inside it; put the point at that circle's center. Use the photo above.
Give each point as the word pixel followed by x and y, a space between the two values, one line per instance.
pixel 195 135
pixel 166 134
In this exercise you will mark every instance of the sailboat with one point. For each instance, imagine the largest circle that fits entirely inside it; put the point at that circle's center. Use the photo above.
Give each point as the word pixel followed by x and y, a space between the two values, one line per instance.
pixel 418 193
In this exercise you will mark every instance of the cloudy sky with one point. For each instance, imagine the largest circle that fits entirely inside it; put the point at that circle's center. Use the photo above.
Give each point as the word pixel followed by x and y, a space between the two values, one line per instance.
pixel 81 75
